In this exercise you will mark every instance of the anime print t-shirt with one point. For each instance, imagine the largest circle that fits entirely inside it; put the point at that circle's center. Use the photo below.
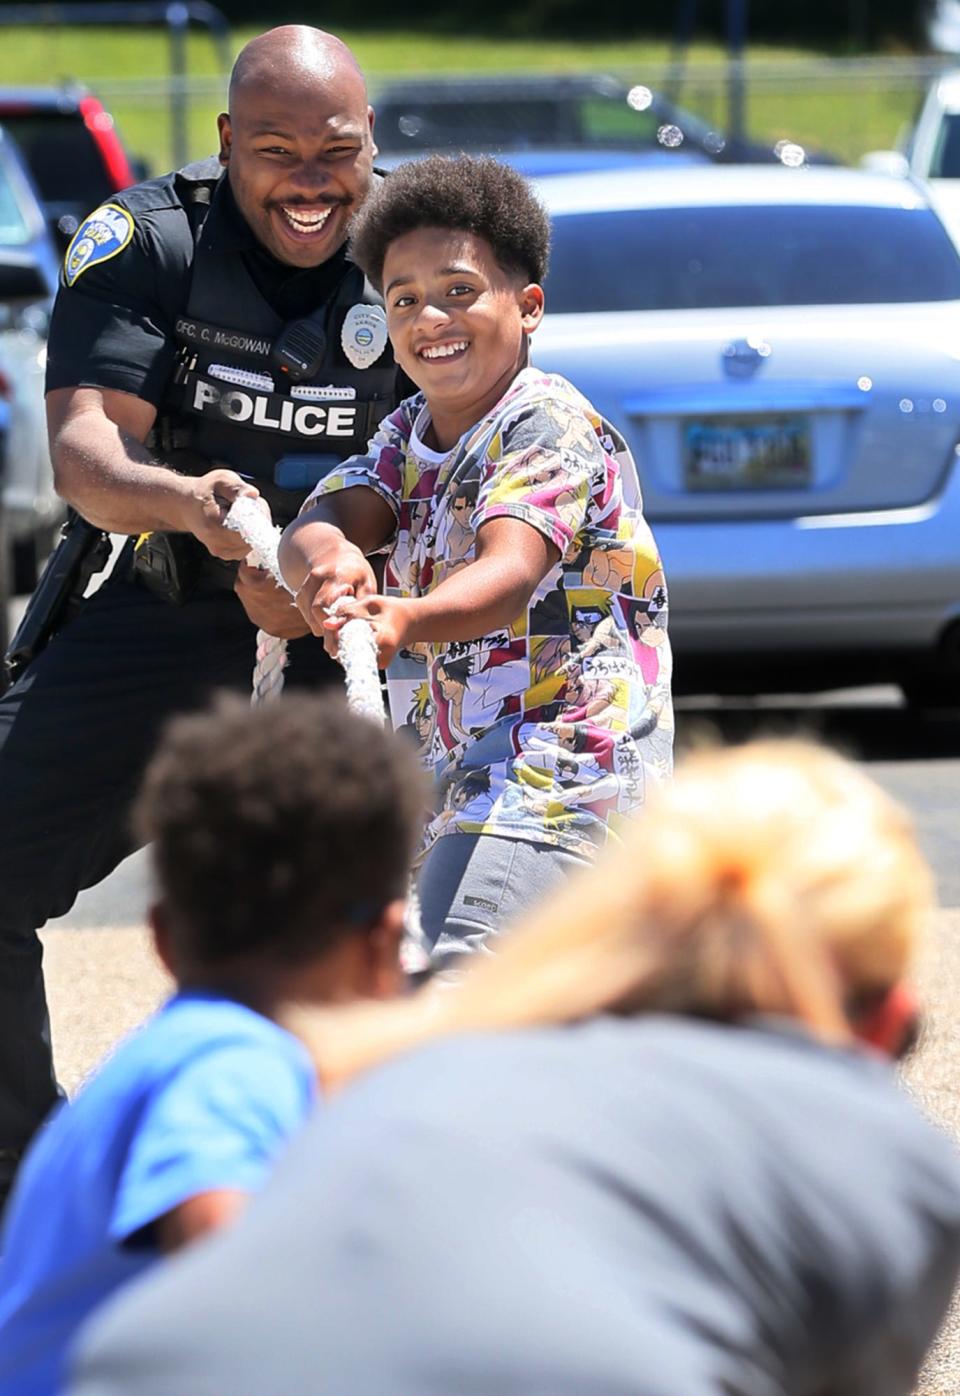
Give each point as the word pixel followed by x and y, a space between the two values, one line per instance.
pixel 550 728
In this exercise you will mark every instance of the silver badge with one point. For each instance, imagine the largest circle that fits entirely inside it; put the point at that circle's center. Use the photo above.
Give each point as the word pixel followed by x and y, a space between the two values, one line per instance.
pixel 364 334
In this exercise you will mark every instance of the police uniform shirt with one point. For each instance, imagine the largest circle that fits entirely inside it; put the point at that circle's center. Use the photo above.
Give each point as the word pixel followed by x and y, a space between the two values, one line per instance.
pixel 113 322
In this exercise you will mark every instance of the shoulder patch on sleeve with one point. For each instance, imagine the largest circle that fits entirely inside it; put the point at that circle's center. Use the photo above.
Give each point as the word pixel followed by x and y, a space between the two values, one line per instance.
pixel 103 235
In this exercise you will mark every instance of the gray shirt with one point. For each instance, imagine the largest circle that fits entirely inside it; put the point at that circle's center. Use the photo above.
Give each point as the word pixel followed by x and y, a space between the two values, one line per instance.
pixel 640 1207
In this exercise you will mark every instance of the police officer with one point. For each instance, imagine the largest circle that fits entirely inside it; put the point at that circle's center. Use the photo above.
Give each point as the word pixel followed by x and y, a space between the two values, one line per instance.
pixel 211 338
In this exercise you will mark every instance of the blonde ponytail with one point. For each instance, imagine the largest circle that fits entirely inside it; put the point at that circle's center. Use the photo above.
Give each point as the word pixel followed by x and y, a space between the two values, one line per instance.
pixel 773 878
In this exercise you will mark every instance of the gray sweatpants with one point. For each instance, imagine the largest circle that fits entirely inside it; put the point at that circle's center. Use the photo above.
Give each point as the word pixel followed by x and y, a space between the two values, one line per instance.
pixel 473 886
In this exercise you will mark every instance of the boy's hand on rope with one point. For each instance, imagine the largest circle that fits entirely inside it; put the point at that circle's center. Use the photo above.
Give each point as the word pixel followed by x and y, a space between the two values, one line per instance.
pixel 335 568
pixel 388 616
pixel 270 607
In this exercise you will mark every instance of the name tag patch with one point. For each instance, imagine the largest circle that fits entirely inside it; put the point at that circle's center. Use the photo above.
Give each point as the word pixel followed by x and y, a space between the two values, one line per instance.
pixel 103 235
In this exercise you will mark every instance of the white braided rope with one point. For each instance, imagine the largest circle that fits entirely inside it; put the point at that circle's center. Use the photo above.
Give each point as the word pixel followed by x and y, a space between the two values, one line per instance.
pixel 257 529
pixel 357 650
pixel 272 658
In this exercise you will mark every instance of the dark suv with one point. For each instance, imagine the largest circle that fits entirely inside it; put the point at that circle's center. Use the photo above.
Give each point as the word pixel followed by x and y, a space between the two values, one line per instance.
pixel 555 124
pixel 72 149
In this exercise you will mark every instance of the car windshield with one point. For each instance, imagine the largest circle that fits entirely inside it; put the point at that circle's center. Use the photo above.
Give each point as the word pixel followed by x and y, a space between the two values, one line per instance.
pixel 14 228
pixel 62 155
pixel 512 122
pixel 705 258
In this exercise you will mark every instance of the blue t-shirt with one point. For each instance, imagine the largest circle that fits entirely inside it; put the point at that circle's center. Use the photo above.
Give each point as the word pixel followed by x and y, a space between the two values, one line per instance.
pixel 203 1097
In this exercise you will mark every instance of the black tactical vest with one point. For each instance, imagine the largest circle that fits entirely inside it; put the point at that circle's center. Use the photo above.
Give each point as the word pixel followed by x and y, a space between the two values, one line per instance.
pixel 226 400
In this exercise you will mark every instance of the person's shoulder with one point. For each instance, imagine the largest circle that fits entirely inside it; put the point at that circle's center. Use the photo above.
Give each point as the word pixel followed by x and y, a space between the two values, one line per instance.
pixel 159 201
pixel 147 227
pixel 189 1026
pixel 206 1018
pixel 173 190
pixel 534 391
pixel 205 1046
pixel 554 388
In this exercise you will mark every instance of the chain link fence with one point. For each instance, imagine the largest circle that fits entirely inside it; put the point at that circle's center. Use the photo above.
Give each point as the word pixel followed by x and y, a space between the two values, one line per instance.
pixel 838 108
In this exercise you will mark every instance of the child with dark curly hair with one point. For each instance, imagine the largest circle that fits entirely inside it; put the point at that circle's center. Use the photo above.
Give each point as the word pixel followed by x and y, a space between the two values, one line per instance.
pixel 282 839
pixel 491 489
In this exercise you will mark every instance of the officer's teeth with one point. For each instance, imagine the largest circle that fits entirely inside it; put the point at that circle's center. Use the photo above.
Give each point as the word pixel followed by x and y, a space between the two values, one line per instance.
pixel 306 222
pixel 443 351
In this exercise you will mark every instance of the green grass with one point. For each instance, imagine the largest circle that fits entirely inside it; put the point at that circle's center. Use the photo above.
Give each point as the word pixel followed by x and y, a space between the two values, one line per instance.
pixel 44 54
pixel 842 121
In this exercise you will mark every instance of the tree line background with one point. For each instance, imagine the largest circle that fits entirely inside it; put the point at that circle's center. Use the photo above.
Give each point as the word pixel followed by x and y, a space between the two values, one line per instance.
pixel 835 24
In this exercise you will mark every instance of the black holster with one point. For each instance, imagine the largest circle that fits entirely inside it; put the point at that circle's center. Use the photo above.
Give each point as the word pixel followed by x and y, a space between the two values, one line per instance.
pixel 81 551
pixel 172 565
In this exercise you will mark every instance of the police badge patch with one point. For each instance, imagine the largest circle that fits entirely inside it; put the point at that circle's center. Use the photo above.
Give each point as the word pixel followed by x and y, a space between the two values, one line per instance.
pixel 364 334
pixel 99 237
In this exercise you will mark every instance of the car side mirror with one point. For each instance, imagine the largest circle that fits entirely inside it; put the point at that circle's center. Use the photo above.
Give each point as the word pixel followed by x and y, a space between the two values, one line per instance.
pixel 888 162
pixel 21 278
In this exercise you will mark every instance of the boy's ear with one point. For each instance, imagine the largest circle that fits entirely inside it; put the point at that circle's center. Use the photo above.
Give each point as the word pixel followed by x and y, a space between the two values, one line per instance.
pixel 226 137
pixel 531 307
pixel 386 974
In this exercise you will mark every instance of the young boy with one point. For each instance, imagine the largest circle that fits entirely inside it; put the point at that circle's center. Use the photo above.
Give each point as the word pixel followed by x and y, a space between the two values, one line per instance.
pixel 282 839
pixel 459 248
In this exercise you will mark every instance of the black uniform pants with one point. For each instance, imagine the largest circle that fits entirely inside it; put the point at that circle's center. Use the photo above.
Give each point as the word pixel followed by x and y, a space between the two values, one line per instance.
pixel 75 734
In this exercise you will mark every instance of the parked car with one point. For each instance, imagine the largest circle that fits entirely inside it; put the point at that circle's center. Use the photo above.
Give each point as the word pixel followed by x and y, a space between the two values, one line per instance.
pixel 28 279
pixel 931 149
pixel 5 394
pixel 72 149
pixel 780 349
pixel 549 124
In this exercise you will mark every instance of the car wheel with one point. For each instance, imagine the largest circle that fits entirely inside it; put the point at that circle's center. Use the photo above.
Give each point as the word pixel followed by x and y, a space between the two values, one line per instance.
pixel 6 572
pixel 937 690
pixel 24 565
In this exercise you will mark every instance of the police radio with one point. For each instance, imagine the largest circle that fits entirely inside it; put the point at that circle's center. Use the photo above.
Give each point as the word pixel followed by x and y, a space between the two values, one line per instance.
pixel 298 350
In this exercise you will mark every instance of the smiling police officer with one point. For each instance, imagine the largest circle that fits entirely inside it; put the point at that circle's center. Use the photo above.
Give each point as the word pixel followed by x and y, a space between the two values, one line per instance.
pixel 211 338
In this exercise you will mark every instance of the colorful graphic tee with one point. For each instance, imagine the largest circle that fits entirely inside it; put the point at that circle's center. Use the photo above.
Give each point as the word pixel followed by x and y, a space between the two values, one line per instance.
pixel 551 728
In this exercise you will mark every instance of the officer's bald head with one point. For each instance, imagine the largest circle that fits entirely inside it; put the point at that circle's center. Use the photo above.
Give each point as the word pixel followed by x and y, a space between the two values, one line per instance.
pixel 298 141
pixel 294 55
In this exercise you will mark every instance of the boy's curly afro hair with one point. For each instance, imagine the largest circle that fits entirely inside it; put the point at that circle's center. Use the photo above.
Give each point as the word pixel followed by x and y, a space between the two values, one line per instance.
pixel 466 193
pixel 277 830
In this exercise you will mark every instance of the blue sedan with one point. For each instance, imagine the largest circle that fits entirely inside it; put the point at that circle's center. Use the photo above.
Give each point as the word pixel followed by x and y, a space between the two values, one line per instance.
pixel 781 349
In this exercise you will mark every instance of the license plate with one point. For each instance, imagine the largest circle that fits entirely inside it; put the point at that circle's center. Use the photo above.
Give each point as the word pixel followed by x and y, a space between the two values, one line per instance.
pixel 747 453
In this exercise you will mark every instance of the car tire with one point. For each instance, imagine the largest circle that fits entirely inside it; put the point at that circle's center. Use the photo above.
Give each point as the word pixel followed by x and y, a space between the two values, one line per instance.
pixel 30 555
pixel 24 555
pixel 932 691
pixel 6 575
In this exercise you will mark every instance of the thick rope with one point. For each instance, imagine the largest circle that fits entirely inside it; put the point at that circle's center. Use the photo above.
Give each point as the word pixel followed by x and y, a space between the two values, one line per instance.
pixel 357 650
